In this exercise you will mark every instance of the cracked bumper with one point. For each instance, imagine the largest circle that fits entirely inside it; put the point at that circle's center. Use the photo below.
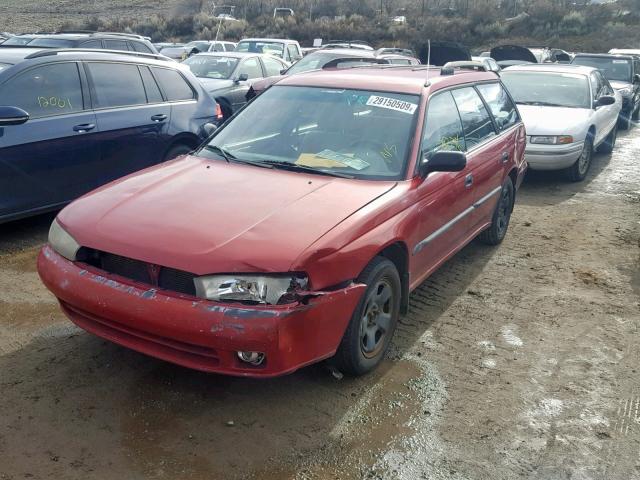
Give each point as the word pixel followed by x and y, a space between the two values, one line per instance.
pixel 198 333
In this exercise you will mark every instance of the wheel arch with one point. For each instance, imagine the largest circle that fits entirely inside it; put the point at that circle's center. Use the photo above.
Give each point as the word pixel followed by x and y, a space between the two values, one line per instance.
pixel 188 139
pixel 398 253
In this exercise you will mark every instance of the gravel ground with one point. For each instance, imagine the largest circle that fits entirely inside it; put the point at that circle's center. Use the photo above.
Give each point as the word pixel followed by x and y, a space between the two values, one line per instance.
pixel 513 362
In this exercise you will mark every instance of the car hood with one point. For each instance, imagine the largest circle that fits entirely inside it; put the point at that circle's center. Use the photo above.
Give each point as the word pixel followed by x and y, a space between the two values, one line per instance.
pixel 513 52
pixel 443 52
pixel 211 84
pixel 264 83
pixel 619 85
pixel 207 216
pixel 554 120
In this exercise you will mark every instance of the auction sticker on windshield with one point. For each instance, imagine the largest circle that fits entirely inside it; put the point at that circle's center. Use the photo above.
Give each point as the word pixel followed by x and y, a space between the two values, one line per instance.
pixel 392 104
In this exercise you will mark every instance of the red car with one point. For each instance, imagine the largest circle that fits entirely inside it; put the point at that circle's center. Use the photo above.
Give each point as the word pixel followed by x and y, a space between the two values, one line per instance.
pixel 298 231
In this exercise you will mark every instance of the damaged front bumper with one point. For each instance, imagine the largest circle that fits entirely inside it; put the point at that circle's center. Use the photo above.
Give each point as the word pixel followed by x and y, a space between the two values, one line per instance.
pixel 197 333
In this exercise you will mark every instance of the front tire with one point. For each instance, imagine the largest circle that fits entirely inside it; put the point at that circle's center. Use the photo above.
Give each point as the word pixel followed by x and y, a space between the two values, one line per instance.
pixel 374 320
pixel 578 171
pixel 176 151
pixel 501 216
pixel 610 142
pixel 624 120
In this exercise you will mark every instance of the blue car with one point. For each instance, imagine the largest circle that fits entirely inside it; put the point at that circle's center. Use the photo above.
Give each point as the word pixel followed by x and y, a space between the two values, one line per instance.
pixel 73 120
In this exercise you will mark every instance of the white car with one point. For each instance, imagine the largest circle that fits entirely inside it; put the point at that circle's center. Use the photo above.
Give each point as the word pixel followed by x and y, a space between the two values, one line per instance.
pixel 568 112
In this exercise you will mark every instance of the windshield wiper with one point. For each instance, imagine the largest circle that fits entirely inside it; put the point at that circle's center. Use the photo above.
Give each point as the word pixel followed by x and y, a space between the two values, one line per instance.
pixel 294 167
pixel 541 104
pixel 226 154
pixel 230 157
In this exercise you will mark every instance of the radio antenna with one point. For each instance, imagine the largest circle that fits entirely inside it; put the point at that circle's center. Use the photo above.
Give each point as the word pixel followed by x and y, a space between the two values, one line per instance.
pixel 426 84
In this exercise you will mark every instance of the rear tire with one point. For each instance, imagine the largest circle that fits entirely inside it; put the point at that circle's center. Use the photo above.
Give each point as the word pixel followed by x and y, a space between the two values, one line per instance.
pixel 624 121
pixel 578 171
pixel 374 319
pixel 501 216
pixel 610 142
pixel 176 151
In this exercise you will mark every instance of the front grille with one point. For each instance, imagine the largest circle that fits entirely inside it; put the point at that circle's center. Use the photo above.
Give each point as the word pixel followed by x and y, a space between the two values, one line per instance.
pixel 154 275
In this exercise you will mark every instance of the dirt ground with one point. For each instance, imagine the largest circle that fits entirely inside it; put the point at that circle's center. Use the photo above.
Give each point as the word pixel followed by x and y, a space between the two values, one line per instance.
pixel 514 362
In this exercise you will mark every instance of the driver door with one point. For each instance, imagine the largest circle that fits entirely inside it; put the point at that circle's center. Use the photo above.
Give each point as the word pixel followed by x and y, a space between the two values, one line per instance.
pixel 445 199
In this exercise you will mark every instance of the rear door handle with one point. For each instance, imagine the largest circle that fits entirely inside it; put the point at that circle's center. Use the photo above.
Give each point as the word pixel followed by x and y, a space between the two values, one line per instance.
pixel 159 118
pixel 468 181
pixel 505 157
pixel 85 127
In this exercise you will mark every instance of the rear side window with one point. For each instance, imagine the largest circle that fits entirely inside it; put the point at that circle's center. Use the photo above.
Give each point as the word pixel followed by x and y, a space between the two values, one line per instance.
pixel 501 106
pixel 45 91
pixel 150 86
pixel 140 47
pixel 116 45
pixel 272 66
pixel 173 84
pixel 117 85
pixel 476 122
pixel 442 128
pixel 92 44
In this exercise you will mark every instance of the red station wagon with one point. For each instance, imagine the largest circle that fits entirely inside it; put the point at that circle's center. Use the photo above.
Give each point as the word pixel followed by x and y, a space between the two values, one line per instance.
pixel 297 232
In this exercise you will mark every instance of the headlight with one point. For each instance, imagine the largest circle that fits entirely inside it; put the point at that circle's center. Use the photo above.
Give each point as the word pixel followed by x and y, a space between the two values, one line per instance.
pixel 625 91
pixel 269 289
pixel 552 139
pixel 62 242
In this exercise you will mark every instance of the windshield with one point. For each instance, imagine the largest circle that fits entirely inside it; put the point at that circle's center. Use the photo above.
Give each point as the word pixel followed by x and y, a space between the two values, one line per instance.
pixel 17 41
pixel 548 89
pixel 616 69
pixel 50 43
pixel 3 66
pixel 261 47
pixel 205 66
pixel 357 133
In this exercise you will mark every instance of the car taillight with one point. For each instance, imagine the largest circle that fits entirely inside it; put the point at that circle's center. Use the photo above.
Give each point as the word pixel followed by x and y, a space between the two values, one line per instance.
pixel 218 112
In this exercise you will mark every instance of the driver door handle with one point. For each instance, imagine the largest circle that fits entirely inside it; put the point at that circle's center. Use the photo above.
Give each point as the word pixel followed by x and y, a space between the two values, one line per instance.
pixel 85 127
pixel 505 157
pixel 159 118
pixel 468 181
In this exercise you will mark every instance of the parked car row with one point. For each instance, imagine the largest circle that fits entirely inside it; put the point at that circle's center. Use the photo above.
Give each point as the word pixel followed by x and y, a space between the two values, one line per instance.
pixel 291 228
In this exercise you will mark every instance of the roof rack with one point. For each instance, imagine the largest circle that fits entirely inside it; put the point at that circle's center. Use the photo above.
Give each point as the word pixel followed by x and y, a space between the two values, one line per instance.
pixel 75 31
pixel 55 51
pixel 119 34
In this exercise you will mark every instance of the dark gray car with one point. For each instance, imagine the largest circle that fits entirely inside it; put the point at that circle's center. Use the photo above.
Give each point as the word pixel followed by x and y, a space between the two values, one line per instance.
pixel 97 40
pixel 227 76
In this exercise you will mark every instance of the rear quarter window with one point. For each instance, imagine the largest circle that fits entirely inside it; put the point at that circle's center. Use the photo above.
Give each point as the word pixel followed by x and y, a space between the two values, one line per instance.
pixel 140 47
pixel 174 85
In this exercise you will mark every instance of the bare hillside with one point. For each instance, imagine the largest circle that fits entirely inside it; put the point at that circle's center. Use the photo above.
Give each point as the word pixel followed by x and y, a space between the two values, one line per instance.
pixel 35 15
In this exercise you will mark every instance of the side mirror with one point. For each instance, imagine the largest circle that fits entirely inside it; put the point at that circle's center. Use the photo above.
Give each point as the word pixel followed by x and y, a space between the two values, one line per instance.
pixel 243 77
pixel 12 116
pixel 444 161
pixel 283 71
pixel 605 100
pixel 209 129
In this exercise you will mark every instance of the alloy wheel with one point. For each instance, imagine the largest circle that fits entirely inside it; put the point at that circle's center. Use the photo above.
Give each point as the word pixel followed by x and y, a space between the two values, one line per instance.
pixel 376 319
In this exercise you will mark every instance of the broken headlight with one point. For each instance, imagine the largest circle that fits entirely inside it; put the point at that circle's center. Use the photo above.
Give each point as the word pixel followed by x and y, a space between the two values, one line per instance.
pixel 265 289
pixel 62 242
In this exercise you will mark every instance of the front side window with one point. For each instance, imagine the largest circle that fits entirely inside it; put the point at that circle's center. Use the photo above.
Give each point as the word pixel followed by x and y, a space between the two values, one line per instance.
pixel 549 89
pixel 294 55
pixel 272 66
pixel 206 66
pixel 92 44
pixel 501 106
pixel 613 69
pixel 251 66
pixel 45 91
pixel 257 46
pixel 442 128
pixel 476 121
pixel 356 133
pixel 116 85
pixel 173 84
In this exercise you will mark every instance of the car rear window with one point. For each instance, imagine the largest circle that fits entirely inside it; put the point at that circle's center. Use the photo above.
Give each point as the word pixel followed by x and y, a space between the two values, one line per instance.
pixel 173 84
pixel 116 45
pixel 117 84
pixel 45 90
